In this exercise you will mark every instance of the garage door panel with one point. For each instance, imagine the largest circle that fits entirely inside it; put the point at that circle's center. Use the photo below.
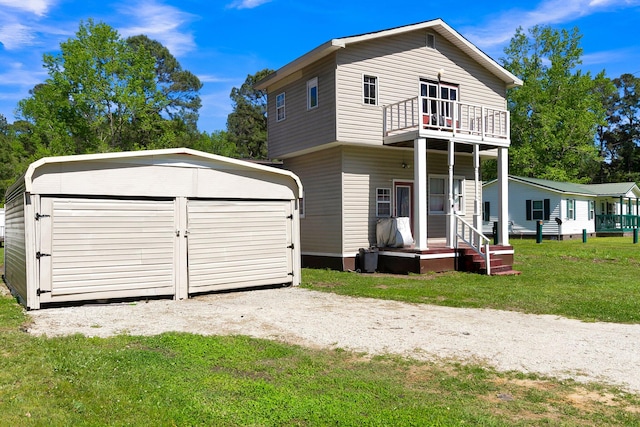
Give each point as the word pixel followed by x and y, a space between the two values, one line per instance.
pixel 122 246
pixel 238 244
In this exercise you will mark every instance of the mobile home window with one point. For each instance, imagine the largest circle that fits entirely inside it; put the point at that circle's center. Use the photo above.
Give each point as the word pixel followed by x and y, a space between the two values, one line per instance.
pixel 312 93
pixel 383 202
pixel 571 209
pixel 370 90
pixel 486 212
pixel 537 209
pixel 280 107
pixel 592 209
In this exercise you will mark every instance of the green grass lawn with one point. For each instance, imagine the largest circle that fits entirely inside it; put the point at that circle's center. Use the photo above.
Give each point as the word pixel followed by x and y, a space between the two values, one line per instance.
pixel 596 281
pixel 186 380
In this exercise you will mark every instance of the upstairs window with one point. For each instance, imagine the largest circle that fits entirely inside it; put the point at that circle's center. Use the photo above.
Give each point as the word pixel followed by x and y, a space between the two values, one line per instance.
pixel 280 107
pixel 431 41
pixel 312 93
pixel 370 90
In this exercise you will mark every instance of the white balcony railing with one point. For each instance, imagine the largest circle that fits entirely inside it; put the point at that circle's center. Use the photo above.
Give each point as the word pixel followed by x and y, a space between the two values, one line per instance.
pixel 434 114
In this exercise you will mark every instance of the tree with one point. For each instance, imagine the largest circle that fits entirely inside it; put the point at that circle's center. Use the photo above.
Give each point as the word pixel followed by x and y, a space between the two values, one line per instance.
pixel 620 138
pixel 180 87
pixel 555 113
pixel 217 143
pixel 247 123
pixel 101 95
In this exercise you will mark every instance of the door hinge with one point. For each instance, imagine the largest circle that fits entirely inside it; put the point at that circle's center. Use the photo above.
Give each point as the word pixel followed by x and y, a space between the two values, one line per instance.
pixel 40 292
pixel 290 246
pixel 290 274
pixel 38 216
pixel 290 216
pixel 40 255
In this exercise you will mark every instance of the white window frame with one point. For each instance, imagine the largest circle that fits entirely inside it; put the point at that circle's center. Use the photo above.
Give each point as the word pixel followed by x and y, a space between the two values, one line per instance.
pixel 311 86
pixel 534 210
pixel 366 100
pixel 383 198
pixel 571 208
pixel 459 199
pixel 432 44
pixel 281 107
pixel 592 209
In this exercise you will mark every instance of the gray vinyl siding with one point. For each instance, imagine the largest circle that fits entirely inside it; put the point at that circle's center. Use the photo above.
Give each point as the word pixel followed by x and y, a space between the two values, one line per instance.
pixel 365 170
pixel 321 227
pixel 399 62
pixel 15 257
pixel 302 128
pixel 369 168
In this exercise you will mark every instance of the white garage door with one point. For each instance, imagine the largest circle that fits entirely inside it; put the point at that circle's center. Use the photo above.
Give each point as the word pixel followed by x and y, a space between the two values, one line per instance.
pixel 106 248
pixel 236 244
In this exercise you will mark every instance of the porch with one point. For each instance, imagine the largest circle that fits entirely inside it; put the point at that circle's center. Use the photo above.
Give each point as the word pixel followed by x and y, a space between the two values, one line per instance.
pixel 435 124
pixel 617 223
pixel 439 257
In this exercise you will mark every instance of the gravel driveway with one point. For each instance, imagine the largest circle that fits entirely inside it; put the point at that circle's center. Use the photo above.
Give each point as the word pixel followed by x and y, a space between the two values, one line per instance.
pixel 544 344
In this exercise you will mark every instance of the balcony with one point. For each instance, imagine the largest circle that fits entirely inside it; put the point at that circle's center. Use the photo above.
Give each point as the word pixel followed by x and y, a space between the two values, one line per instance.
pixel 426 117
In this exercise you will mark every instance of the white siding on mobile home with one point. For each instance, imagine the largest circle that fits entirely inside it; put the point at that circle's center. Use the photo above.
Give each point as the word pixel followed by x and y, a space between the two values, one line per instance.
pixel 166 222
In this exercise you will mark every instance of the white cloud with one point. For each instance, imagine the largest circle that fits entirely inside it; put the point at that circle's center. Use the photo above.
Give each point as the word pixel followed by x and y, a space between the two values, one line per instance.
pixel 209 78
pixel 14 36
pixel 38 7
pixel 160 22
pixel 501 28
pixel 16 74
pixel 247 4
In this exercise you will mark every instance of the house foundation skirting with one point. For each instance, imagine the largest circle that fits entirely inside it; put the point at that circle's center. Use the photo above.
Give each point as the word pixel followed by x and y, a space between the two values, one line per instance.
pixel 404 261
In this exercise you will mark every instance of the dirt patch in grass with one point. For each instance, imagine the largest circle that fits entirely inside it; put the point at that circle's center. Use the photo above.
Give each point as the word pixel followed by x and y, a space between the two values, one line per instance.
pixel 579 397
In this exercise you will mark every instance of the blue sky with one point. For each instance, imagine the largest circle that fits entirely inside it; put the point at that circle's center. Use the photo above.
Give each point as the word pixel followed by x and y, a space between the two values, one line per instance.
pixel 222 41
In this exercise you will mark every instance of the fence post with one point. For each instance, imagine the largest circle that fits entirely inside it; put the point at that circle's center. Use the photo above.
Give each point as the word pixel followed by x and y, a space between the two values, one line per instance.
pixel 539 232
pixel 584 235
pixel 635 236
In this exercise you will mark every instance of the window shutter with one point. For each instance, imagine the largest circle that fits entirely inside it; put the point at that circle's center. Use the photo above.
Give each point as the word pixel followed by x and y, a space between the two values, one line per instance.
pixel 547 209
pixel 487 211
pixel 528 210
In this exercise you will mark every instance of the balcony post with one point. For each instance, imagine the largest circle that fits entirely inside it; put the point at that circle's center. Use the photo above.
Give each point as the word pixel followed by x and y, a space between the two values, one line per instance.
pixel 450 211
pixel 477 203
pixel 503 196
pixel 420 193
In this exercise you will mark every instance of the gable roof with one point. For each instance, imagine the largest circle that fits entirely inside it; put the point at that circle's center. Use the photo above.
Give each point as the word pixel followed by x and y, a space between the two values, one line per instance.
pixel 613 189
pixel 437 25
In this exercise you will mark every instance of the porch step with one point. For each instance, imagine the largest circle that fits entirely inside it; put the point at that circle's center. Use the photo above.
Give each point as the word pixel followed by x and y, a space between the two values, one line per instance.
pixel 469 260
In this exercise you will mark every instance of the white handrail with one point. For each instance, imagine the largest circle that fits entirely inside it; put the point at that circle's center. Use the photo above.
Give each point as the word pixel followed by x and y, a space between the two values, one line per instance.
pixel 475 239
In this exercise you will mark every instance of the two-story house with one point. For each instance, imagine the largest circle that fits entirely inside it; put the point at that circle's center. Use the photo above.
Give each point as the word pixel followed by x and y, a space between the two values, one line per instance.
pixel 393 124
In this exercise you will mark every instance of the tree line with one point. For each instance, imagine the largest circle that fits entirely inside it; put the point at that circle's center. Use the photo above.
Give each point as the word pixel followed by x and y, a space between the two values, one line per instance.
pixel 106 93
